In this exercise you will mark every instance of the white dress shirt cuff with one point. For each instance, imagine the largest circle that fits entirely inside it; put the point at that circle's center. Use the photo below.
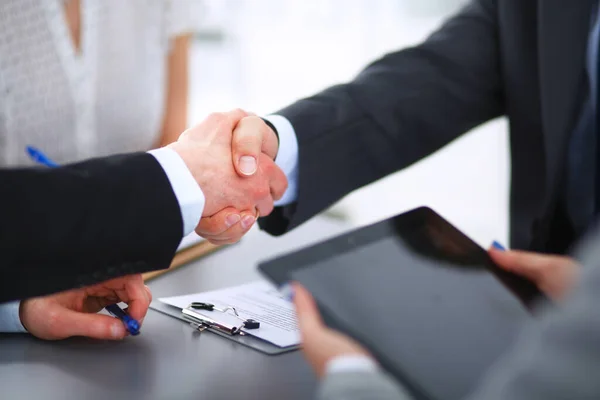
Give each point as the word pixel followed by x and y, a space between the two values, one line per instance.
pixel 189 195
pixel 287 157
pixel 9 317
pixel 350 363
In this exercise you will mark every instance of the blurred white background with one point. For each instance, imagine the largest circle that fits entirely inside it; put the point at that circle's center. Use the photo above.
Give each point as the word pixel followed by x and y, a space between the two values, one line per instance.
pixel 263 54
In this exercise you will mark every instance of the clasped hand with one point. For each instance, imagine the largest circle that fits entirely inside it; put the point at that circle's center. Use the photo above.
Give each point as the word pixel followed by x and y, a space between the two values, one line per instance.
pixel 231 156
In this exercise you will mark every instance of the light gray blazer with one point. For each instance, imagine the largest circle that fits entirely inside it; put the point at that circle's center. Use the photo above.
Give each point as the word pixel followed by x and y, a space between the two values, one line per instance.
pixel 556 357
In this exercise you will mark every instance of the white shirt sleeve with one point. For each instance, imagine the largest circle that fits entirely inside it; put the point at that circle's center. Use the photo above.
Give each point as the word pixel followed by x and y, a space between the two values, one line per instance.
pixel 287 157
pixel 9 317
pixel 189 195
pixel 350 363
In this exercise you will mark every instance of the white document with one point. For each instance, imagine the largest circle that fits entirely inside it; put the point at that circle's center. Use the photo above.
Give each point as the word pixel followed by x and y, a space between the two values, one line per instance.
pixel 259 300
pixel 189 241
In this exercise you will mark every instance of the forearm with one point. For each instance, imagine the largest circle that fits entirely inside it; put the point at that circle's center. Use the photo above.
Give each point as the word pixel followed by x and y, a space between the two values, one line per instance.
pixel 422 97
pixel 398 110
pixel 86 222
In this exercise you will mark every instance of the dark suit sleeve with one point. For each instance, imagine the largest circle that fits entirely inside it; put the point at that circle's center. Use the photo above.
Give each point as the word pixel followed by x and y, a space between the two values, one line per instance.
pixel 84 223
pixel 398 110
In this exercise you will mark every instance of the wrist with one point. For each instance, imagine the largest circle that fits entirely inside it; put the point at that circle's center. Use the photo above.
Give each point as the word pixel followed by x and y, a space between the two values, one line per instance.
pixel 180 165
pixel 287 151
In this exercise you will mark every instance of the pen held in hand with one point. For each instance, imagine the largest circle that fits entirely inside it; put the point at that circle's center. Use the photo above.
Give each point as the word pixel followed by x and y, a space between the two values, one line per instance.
pixel 132 326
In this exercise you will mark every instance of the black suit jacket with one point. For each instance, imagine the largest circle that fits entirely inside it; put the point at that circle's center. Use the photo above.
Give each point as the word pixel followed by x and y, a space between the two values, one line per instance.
pixel 521 58
pixel 84 223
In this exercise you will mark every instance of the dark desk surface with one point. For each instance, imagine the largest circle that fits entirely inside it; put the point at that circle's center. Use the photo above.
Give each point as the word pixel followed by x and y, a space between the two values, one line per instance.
pixel 168 360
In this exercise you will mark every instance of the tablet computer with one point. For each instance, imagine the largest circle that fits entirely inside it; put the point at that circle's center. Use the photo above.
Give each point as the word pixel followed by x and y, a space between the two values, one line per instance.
pixel 425 299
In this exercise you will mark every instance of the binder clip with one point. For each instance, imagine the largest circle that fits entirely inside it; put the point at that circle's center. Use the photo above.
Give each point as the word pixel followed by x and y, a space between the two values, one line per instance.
pixel 202 322
pixel 248 323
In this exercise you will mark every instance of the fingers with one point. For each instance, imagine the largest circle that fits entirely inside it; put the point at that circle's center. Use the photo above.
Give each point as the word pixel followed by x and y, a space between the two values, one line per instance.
pixel 148 293
pixel 278 184
pixel 251 138
pixel 554 275
pixel 273 176
pixel 219 124
pixel 232 119
pixel 137 298
pixel 216 231
pixel 218 223
pixel 95 304
pixel 529 265
pixel 149 296
pixel 309 318
pixel 53 318
pixel 265 205
pixel 66 323
pixel 73 312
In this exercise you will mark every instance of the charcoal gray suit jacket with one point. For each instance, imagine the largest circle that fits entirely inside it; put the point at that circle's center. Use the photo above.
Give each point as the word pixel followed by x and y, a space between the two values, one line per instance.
pixel 521 58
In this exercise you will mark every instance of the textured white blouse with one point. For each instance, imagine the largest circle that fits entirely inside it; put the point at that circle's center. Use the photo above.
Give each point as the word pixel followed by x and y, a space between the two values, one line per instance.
pixel 108 98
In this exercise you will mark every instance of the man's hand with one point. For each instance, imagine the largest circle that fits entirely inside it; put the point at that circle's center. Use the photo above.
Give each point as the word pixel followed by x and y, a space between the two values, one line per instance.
pixel 206 150
pixel 227 226
pixel 74 312
pixel 252 140
pixel 319 343
pixel 553 275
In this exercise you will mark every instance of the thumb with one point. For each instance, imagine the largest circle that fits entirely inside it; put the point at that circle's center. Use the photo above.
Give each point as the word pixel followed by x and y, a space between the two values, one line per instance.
pixel 97 326
pixel 309 318
pixel 246 145
pixel 527 264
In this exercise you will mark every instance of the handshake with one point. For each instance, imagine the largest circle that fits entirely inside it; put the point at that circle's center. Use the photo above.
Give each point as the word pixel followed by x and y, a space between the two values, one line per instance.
pixel 232 158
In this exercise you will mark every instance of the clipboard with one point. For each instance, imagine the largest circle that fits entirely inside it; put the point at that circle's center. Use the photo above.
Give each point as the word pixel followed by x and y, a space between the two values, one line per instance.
pixel 246 340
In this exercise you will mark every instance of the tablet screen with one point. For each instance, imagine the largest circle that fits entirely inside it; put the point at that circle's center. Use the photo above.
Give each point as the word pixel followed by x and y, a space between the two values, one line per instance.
pixel 423 297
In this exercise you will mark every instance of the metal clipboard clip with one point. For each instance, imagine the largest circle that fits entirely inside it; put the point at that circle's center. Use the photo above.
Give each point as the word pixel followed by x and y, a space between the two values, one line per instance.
pixel 202 322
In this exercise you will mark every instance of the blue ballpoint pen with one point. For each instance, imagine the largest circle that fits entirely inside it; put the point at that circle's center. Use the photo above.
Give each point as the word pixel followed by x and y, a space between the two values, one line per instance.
pixel 39 157
pixel 131 324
